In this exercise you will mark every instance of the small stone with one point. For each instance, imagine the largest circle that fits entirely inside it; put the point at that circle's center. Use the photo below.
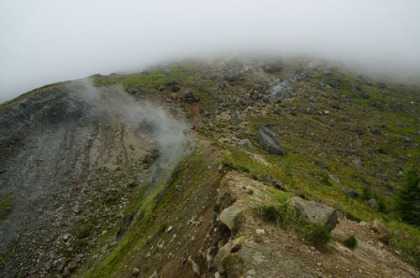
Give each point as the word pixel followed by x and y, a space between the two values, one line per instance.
pixel 195 266
pixel 373 204
pixel 370 242
pixel 323 164
pixel 363 224
pixel 66 273
pixel 136 272
pixel 381 245
pixel 169 229
pixel 72 265
pixel 237 244
pixel 260 232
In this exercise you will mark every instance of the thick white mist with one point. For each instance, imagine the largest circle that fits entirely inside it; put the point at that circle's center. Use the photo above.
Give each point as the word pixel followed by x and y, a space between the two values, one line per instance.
pixel 48 41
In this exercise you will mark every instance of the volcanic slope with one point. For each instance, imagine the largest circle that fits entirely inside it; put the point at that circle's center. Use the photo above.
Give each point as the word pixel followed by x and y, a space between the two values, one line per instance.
pixel 102 177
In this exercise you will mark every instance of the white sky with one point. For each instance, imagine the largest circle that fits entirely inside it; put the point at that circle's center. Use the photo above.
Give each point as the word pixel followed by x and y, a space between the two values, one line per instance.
pixel 45 41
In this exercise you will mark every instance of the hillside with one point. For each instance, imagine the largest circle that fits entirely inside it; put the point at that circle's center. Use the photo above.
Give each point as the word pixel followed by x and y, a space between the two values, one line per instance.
pixel 192 169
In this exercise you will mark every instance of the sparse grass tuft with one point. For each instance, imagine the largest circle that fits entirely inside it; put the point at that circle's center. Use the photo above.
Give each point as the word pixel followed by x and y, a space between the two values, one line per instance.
pixel 270 213
pixel 326 180
pixel 351 242
pixel 317 235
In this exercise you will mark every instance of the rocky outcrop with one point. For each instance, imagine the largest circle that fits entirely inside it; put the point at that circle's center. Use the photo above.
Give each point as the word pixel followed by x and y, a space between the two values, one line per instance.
pixel 229 260
pixel 270 141
pixel 315 212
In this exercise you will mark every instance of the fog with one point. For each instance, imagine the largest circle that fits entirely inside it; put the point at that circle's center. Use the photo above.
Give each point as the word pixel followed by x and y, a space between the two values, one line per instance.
pixel 48 41
pixel 168 133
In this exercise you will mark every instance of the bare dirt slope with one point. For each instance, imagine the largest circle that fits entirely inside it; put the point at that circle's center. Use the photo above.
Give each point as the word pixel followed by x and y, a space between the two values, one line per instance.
pixel 69 155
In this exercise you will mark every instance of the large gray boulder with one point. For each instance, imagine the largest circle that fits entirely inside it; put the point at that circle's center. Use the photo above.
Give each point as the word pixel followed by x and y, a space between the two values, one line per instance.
pixel 315 212
pixel 270 141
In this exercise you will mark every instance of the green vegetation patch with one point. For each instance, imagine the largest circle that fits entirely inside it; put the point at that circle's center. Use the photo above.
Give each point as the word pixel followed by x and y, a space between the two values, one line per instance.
pixel 5 206
pixel 286 217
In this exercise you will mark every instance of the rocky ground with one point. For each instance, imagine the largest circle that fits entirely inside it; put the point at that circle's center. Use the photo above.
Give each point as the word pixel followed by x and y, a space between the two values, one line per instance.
pixel 103 179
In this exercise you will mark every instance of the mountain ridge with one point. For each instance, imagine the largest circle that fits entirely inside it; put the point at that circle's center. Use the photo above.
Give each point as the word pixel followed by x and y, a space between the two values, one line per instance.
pixel 342 134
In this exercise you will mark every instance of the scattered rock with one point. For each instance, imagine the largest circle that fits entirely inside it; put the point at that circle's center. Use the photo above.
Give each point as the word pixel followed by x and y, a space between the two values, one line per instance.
pixel 363 224
pixel 365 95
pixel 357 161
pixel 304 110
pixel 315 212
pixel 135 272
pixel 384 234
pixel 334 178
pixel 376 131
pixel 235 119
pixel 323 164
pixel 190 97
pixel 175 89
pixel 246 143
pixel 276 184
pixel 270 141
pixel 382 86
pixel 195 266
pixel 132 183
pixel 336 83
pixel 407 139
pixel 260 232
pixel 351 193
pixel 66 273
pixel 373 204
pixel 131 90
pixel 72 265
pixel 169 229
